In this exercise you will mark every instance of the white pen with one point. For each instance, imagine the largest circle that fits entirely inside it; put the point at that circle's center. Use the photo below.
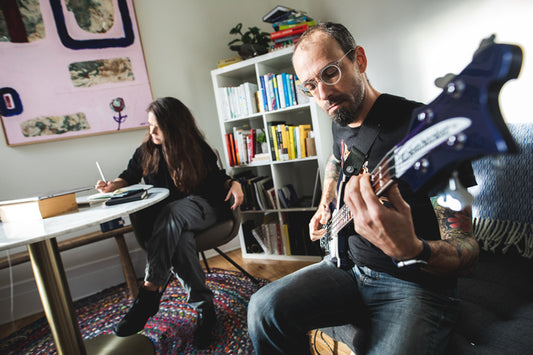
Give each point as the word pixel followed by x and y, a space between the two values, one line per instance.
pixel 101 172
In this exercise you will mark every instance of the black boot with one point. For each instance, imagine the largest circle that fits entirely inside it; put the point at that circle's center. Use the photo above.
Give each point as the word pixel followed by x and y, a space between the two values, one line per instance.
pixel 205 327
pixel 146 305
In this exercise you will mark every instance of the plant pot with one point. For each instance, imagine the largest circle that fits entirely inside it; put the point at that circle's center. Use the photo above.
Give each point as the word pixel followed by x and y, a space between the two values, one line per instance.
pixel 249 50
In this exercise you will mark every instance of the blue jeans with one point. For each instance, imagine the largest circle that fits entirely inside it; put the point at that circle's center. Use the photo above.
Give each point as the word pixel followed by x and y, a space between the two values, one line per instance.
pixel 399 317
pixel 172 247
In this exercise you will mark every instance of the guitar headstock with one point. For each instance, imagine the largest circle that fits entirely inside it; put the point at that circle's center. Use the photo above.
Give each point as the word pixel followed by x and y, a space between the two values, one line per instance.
pixel 464 122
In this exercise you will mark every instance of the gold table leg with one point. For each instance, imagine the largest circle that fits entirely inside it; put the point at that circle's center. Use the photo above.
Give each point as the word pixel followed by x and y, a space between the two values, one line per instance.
pixel 55 296
pixel 59 309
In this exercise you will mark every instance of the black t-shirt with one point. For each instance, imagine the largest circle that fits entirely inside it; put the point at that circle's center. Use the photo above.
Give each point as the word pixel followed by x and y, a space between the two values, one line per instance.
pixel 211 188
pixel 394 115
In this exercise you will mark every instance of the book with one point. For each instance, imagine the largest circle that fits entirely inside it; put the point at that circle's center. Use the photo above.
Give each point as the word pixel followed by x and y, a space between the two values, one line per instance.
pixel 130 196
pixel 230 149
pixel 119 192
pixel 271 196
pixel 310 147
pixel 262 185
pixel 273 238
pixel 285 239
pixel 257 232
pixel 223 62
pixel 303 132
pixel 295 24
pixel 288 196
pixel 289 32
pixel 278 13
pixel 40 207
pixel 251 244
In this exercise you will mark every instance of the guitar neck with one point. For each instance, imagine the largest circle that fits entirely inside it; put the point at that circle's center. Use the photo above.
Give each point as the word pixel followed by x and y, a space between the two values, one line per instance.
pixel 381 178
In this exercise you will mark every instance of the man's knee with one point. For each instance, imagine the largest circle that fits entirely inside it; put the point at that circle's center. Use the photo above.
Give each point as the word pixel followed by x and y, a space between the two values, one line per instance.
pixel 265 306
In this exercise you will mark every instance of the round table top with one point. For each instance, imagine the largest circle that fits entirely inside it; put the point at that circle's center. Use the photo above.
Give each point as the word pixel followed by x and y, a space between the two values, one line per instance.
pixel 15 234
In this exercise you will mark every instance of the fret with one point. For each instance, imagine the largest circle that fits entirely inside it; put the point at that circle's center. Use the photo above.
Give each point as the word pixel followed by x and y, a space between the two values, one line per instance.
pixel 381 178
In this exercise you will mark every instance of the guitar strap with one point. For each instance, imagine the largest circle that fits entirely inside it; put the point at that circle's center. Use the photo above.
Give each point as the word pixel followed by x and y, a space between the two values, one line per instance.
pixel 359 146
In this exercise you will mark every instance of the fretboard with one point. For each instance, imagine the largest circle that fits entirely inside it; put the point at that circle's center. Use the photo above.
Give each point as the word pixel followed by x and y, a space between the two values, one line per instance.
pixel 381 178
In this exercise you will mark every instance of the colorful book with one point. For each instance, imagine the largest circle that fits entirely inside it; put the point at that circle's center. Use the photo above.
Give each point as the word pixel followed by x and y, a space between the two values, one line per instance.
pixel 289 32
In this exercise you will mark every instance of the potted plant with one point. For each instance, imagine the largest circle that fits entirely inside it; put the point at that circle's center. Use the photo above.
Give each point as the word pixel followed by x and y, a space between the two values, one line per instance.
pixel 252 42
pixel 261 139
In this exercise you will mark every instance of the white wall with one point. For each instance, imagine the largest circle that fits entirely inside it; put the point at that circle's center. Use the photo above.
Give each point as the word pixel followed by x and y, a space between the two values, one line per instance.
pixel 408 43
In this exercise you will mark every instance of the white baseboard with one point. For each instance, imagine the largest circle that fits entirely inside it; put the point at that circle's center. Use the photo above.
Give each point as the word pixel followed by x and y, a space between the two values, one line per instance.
pixel 20 298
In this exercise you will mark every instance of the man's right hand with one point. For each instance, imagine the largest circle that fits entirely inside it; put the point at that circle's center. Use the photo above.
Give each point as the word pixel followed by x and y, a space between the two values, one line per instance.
pixel 321 217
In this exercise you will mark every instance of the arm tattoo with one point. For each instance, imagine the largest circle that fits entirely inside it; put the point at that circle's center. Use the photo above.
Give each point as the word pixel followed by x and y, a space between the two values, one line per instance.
pixel 332 170
pixel 457 231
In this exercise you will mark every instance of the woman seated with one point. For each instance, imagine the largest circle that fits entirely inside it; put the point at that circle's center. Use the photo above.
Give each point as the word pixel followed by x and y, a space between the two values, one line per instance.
pixel 175 155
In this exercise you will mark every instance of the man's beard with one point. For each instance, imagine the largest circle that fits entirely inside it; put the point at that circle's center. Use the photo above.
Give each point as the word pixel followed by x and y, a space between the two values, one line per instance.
pixel 343 116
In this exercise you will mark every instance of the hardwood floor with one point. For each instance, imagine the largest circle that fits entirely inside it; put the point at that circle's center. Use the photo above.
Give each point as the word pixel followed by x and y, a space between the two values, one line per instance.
pixel 266 269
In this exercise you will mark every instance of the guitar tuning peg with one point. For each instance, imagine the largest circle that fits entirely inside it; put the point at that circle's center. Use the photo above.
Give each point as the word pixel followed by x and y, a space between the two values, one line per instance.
pixel 485 42
pixel 443 81
pixel 455 196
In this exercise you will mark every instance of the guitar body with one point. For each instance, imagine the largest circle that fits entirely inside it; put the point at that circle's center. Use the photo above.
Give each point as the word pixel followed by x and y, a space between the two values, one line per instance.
pixel 462 124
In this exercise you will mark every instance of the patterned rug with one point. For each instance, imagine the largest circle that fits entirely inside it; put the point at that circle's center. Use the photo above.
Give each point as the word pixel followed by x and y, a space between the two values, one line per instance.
pixel 171 329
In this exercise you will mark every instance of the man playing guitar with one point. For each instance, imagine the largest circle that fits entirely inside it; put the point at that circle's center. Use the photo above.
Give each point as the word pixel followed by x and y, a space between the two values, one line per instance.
pixel 404 255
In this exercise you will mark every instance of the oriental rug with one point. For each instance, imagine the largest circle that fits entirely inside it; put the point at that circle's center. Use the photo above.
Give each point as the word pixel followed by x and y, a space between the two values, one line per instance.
pixel 171 329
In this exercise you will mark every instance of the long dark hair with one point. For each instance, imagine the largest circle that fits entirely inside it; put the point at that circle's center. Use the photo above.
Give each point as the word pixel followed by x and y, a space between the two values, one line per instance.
pixel 181 147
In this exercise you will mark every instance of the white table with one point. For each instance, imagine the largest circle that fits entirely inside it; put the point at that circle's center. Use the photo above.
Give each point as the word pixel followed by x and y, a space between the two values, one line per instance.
pixel 40 238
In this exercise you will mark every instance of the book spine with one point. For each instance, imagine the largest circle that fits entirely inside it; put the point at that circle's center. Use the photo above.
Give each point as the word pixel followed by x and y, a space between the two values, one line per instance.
pixel 281 91
pixel 292 148
pixel 275 145
pixel 289 32
pixel 292 25
pixel 264 93
pixel 256 232
pixel 277 103
pixel 286 240
pixel 279 239
pixel 229 148
pixel 265 230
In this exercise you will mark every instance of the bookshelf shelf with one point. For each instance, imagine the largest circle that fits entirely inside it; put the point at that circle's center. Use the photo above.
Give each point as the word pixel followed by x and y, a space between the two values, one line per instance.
pixel 275 172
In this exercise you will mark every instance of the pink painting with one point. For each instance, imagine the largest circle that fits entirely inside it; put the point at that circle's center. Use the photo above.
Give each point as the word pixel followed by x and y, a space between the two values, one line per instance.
pixel 70 69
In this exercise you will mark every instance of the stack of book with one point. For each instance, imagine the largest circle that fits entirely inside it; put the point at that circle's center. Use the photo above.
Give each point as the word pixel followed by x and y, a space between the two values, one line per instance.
pixel 289 142
pixel 288 25
pixel 239 101
pixel 243 147
pixel 274 238
pixel 259 193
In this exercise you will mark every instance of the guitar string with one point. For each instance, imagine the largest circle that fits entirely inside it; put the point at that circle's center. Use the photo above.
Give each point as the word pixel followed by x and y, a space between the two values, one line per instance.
pixel 344 215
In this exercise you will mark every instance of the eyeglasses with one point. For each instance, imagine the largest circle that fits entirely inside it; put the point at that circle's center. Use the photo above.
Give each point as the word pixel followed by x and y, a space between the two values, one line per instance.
pixel 330 75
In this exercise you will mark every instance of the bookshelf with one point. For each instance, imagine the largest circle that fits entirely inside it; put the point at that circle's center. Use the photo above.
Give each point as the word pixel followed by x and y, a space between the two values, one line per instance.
pixel 237 116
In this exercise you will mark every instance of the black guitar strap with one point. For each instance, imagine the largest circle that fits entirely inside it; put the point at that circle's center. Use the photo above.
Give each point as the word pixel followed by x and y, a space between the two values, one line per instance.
pixel 360 146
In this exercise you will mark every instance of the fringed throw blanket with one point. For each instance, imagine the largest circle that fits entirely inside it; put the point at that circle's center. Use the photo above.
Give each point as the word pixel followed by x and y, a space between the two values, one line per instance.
pixel 503 206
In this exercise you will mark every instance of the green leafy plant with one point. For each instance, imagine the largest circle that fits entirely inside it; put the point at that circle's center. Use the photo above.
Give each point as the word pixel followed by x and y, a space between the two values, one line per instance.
pixel 252 42
pixel 261 137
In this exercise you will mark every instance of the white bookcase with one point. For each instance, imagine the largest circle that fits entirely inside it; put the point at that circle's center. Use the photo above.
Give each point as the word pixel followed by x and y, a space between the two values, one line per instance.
pixel 301 173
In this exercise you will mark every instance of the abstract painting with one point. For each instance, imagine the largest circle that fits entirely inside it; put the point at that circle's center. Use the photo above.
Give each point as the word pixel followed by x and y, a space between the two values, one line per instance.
pixel 70 68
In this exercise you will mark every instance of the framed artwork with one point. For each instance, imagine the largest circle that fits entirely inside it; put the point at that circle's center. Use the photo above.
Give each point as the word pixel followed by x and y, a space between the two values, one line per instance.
pixel 70 69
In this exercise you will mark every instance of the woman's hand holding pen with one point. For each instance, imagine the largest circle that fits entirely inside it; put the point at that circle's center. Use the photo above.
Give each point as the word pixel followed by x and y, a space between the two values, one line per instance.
pixel 110 186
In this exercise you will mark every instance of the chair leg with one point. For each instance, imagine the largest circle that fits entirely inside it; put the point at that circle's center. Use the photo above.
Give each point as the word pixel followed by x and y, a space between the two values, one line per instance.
pixel 169 278
pixel 237 266
pixel 205 262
